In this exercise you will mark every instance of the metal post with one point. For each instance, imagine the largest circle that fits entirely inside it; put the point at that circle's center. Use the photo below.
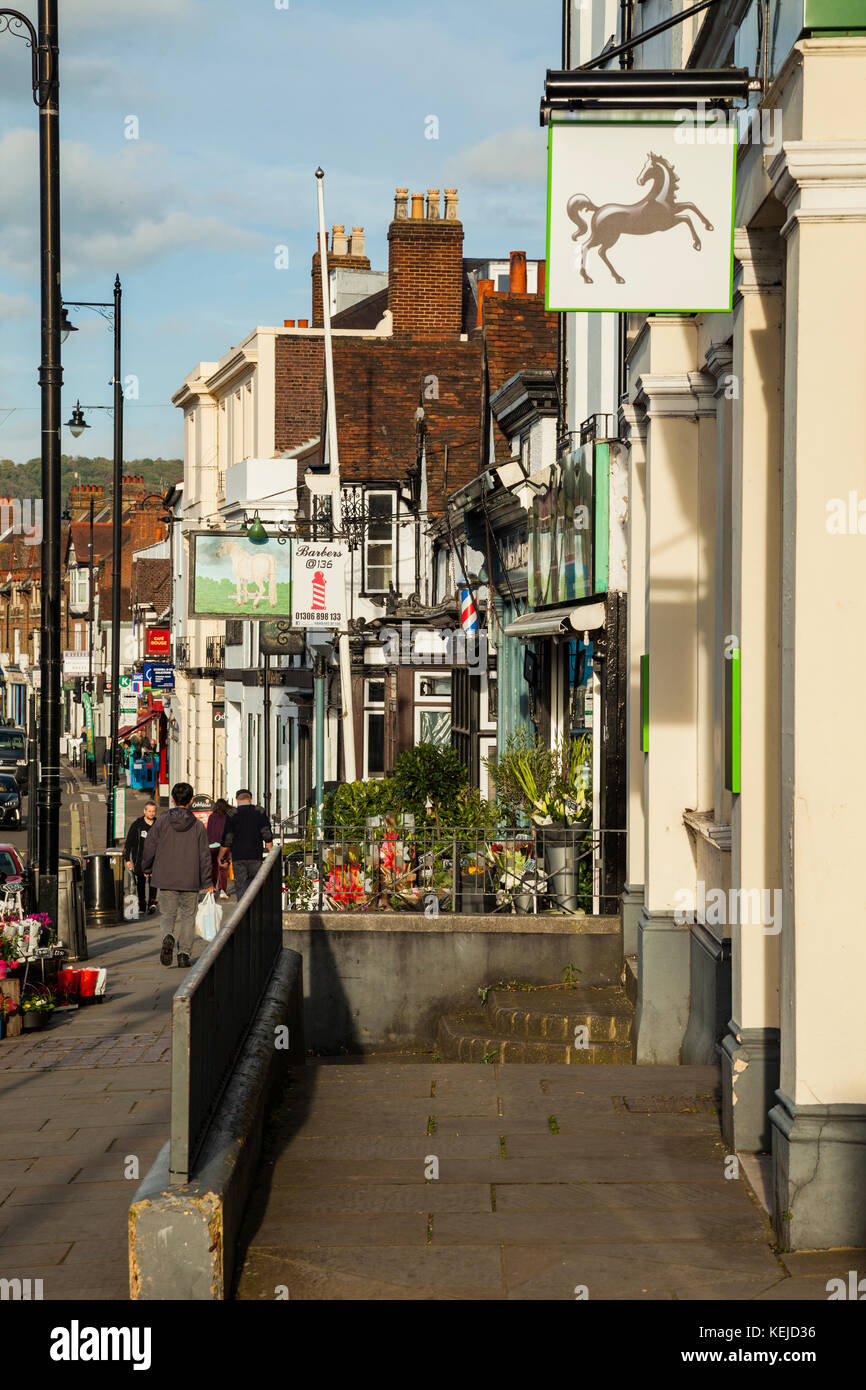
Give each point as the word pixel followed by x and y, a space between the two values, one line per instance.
pixel 267 750
pixel 319 678
pixel 32 776
pixel 50 379
pixel 90 607
pixel 349 755
pixel 117 538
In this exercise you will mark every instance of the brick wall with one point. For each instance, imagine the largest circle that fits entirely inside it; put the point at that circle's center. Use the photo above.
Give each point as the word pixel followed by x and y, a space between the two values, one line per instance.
pixel 299 368
pixel 425 277
pixel 346 262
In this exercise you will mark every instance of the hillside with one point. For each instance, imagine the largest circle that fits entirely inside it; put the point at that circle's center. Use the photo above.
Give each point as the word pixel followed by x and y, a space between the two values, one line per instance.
pixel 24 479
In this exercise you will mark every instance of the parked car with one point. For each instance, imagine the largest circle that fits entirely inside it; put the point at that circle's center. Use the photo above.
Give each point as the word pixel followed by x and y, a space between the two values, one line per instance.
pixel 13 755
pixel 12 871
pixel 10 801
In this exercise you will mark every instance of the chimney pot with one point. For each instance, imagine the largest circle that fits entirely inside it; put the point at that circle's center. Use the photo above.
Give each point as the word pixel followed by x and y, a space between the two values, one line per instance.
pixel 517 273
pixel 303 323
pixel 288 323
pixel 485 287
pixel 417 205
pixel 356 243
pixel 542 277
pixel 401 204
pixel 339 246
pixel 433 204
pixel 451 214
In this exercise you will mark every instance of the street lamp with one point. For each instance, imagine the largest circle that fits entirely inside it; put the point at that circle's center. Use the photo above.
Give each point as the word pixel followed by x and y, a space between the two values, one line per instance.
pixel 111 312
pixel 66 325
pixel 43 45
pixel 77 425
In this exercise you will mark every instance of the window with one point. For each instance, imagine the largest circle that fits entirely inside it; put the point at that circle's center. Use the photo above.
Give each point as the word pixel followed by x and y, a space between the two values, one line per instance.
pixel 433 709
pixel 379 556
pixel 79 589
pixel 374 728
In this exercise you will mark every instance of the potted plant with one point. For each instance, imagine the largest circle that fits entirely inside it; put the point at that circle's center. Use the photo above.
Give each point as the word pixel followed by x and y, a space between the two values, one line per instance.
pixel 477 886
pixel 36 1009
pixel 8 1009
pixel 518 874
pixel 552 788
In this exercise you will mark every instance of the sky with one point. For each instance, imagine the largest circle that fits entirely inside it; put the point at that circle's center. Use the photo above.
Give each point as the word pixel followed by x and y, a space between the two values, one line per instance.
pixel 234 103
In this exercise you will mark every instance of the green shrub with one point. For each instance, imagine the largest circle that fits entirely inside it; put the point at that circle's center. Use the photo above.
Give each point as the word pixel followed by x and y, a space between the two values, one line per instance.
pixel 424 773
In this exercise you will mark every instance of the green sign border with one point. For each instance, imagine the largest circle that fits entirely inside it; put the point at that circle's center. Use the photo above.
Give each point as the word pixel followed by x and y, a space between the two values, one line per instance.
pixel 633 308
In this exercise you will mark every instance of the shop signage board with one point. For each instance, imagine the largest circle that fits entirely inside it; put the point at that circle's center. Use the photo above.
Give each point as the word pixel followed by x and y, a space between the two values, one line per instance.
pixel 219 714
pixel 234 577
pixel 639 218
pixel 76 663
pixel 157 641
pixel 561 550
pixel 88 722
pixel 157 676
pixel 319 585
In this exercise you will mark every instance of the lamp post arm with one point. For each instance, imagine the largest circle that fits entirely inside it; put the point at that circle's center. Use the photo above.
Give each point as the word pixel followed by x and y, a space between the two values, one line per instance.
pixel 14 22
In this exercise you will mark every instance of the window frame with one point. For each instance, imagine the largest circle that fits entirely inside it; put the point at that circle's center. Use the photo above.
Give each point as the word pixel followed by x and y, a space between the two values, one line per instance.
pixel 394 495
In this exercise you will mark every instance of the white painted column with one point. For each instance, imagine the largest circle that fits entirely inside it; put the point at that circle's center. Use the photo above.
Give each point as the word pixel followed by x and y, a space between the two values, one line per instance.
pixel 751 1048
pixel 633 428
pixel 819 1123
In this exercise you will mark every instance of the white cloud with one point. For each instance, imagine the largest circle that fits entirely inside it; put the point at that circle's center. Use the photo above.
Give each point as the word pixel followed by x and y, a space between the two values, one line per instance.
pixel 119 210
pixel 509 157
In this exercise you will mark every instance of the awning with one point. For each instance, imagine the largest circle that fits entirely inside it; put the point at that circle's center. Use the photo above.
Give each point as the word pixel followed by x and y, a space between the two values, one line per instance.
pixel 124 734
pixel 563 623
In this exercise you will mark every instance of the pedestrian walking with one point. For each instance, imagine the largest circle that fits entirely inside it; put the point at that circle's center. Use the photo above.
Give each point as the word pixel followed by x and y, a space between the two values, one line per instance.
pixel 247 834
pixel 216 824
pixel 133 851
pixel 177 855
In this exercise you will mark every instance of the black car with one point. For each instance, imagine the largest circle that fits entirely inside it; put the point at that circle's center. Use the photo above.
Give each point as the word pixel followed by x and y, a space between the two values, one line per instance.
pixel 10 800
pixel 13 755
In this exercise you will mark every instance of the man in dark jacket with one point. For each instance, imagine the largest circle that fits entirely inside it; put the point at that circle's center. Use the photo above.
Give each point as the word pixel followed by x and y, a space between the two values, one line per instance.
pixel 247 834
pixel 133 850
pixel 177 855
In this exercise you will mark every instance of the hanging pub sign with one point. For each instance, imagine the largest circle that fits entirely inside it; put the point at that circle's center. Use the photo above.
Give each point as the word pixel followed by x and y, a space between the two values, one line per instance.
pixel 638 219
pixel 319 584
pixel 157 641
pixel 232 576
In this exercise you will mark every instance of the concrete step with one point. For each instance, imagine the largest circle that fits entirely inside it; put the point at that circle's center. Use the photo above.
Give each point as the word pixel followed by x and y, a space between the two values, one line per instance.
pixel 551 1013
pixel 468 1037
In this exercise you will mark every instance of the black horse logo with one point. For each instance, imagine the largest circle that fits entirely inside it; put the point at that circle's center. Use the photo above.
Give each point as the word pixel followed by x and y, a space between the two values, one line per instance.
pixel 657 212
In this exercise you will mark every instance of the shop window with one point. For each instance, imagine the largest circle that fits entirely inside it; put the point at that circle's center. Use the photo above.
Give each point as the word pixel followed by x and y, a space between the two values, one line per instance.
pixel 433 709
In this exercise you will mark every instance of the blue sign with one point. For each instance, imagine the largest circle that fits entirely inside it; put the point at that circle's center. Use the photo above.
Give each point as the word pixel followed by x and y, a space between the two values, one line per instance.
pixel 158 677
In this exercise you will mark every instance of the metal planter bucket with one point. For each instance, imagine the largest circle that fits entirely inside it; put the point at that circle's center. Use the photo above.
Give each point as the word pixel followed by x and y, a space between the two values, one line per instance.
pixel 561 862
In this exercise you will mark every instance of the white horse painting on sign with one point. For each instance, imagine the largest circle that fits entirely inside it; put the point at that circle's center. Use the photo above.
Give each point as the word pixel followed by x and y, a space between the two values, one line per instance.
pixel 236 577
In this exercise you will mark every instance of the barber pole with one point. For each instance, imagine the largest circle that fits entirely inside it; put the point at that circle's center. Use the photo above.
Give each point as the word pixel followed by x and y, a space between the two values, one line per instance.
pixel 468 612
pixel 319 589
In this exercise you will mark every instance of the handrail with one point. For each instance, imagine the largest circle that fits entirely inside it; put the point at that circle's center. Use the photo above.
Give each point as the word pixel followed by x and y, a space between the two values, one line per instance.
pixel 214 1009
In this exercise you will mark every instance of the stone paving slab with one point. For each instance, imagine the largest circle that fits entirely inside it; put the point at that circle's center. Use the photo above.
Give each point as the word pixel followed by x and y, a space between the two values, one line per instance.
pixel 631 1202
pixel 75 1100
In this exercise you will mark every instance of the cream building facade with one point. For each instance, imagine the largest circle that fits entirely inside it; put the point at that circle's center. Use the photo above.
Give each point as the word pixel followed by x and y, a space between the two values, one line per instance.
pixel 746 603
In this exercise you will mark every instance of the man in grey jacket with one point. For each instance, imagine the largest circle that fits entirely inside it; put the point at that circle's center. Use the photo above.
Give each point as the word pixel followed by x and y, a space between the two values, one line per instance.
pixel 177 856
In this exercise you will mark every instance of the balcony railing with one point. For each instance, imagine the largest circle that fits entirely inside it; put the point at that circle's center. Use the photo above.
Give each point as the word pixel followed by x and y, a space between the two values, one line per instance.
pixel 181 653
pixel 215 652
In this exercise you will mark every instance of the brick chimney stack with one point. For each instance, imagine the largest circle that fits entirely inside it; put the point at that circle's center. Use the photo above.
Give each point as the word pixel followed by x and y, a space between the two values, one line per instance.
pixel 425 266
pixel 344 252
pixel 79 499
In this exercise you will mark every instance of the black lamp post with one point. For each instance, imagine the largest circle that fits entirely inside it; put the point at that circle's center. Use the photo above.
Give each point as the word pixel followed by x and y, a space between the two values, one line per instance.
pixel 42 42
pixel 76 425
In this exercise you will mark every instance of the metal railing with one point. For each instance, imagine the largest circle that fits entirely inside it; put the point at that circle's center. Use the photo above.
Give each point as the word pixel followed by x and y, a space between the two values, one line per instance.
pixel 214 1009
pixel 181 653
pixel 572 871
pixel 215 652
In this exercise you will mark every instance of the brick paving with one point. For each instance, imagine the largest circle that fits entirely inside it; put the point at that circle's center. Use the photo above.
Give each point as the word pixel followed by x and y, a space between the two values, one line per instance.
pixel 548 1183
pixel 85 1107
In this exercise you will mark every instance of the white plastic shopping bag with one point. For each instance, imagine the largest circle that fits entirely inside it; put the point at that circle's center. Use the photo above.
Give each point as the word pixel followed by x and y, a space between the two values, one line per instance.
pixel 208 917
pixel 130 898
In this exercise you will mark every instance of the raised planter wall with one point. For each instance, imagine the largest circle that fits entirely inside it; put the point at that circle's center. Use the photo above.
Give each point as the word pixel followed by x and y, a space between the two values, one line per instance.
pixel 379 981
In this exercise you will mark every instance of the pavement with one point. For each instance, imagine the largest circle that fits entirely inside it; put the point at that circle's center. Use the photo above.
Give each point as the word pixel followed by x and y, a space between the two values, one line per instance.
pixel 85 1103
pixel 443 1181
